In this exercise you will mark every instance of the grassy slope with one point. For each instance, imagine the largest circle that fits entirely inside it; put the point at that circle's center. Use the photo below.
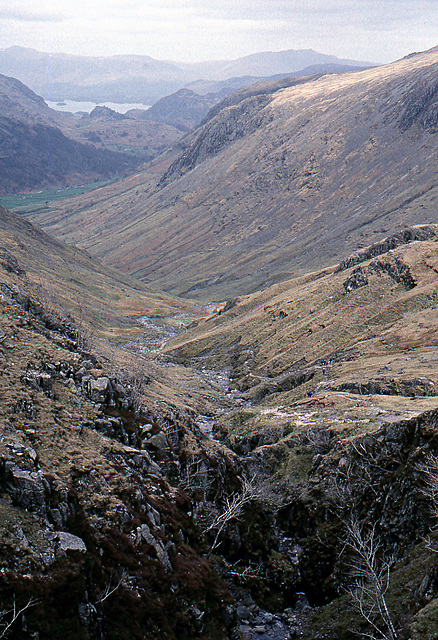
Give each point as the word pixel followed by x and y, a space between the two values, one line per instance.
pixel 104 307
pixel 380 332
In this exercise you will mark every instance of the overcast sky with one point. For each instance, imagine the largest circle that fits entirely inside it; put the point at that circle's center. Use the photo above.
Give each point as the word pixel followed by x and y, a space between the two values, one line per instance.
pixel 195 30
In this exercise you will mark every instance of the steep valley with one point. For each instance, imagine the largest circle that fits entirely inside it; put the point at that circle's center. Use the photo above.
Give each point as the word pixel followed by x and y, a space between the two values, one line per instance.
pixel 215 460
pixel 291 176
pixel 258 458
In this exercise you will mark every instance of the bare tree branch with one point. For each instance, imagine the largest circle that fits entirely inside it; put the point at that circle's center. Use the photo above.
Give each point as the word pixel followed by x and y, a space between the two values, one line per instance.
pixel 13 614
pixel 371 579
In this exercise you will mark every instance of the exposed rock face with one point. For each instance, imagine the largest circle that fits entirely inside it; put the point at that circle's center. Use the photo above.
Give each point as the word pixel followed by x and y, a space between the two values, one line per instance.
pixel 231 124
pixel 421 108
pixel 393 266
pixel 414 234
pixel 10 263
pixel 357 279
pixel 385 386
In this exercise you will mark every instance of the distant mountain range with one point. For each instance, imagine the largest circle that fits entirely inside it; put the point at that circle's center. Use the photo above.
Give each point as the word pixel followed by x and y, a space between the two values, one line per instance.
pixel 131 78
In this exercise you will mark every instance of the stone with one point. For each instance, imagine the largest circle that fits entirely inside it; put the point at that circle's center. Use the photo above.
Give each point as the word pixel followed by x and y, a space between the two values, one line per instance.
pixel 69 542
pixel 143 533
pixel 27 488
pixel 99 389
pixel 158 442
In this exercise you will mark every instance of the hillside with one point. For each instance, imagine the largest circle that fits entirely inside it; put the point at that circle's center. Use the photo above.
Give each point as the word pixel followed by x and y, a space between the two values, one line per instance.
pixel 41 148
pixel 90 527
pixel 285 178
pixel 35 153
pixel 134 78
pixel 120 503
pixel 186 108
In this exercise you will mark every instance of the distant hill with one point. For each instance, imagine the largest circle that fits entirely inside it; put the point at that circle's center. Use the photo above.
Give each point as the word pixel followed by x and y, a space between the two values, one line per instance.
pixel 35 153
pixel 131 78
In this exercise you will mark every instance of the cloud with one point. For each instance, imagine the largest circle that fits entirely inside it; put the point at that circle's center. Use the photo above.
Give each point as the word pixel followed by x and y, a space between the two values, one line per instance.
pixel 21 13
pixel 193 30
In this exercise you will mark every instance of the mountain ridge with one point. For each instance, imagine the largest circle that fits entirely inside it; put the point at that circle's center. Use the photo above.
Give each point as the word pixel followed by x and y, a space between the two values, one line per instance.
pixel 126 78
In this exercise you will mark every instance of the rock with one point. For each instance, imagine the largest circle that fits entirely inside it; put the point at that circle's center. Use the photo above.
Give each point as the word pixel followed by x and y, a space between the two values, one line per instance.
pixel 19 533
pixel 100 389
pixel 10 263
pixel 357 279
pixel 69 542
pixel 38 380
pixel 143 461
pixel 80 374
pixel 27 488
pixel 417 233
pixel 143 533
pixel 157 442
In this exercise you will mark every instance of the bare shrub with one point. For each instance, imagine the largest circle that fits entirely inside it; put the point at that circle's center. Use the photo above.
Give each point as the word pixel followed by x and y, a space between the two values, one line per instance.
pixel 9 616
pixel 371 574
pixel 255 489
pixel 429 471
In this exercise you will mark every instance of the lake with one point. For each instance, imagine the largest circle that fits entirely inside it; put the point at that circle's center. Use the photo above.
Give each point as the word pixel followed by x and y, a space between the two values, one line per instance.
pixel 74 106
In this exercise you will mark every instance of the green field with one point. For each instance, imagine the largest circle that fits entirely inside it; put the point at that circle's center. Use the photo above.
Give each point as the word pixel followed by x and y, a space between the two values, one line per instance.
pixel 34 202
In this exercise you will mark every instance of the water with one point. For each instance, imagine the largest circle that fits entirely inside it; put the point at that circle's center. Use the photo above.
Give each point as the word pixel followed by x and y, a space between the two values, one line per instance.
pixel 73 106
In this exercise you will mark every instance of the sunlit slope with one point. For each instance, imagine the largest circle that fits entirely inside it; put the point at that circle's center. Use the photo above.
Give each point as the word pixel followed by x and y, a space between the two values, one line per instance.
pixel 284 181
pixel 338 335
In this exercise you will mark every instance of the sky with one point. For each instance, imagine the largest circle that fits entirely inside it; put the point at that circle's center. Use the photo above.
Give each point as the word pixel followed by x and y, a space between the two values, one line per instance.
pixel 199 30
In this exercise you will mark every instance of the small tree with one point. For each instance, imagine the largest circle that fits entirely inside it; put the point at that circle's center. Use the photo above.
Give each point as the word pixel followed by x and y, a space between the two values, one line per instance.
pixel 371 580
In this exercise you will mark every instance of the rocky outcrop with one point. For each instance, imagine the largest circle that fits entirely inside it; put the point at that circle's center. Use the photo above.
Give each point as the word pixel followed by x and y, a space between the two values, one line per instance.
pixel 421 108
pixel 413 234
pixel 229 125
pixel 285 382
pixel 384 386
pixel 396 269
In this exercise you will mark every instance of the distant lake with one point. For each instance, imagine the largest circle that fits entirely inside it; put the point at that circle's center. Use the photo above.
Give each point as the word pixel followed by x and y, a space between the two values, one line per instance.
pixel 73 106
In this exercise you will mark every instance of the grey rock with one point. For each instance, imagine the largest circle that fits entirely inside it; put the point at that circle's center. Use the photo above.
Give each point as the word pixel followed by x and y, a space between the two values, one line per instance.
pixel 157 442
pixel 38 380
pixel 69 542
pixel 99 389
pixel 26 488
pixel 143 533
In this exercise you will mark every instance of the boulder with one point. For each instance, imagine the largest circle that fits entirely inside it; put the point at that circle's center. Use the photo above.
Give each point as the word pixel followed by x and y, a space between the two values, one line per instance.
pixel 69 542
pixel 27 488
